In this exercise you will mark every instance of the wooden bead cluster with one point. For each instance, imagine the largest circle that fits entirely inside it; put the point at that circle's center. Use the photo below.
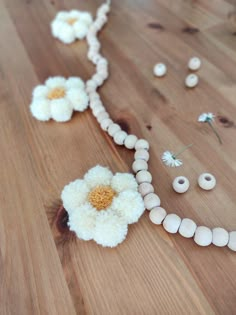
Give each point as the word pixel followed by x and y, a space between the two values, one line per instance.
pixel 172 223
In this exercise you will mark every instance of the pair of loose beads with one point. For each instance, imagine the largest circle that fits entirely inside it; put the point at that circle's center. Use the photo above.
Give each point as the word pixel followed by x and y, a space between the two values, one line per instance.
pixel 206 181
pixel 191 80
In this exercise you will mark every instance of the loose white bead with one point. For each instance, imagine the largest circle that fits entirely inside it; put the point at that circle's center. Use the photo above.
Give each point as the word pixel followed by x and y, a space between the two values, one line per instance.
pixel 141 144
pixel 130 141
pixel 144 177
pixel 232 240
pixel 119 137
pixel 157 215
pixel 159 69
pixel 220 237
pixel 151 201
pixel 139 165
pixel 171 223
pixel 191 80
pixel 112 129
pixel 106 123
pixel 102 115
pixel 145 188
pixel 203 236
pixel 141 155
pixel 194 63
pixel 187 228
pixel 206 181
pixel 180 184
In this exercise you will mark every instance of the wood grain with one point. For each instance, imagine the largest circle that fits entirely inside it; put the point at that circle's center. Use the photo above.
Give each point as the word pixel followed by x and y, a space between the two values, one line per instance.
pixel 45 270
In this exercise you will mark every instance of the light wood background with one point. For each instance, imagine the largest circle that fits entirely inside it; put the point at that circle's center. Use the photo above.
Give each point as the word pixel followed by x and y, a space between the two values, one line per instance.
pixel 45 271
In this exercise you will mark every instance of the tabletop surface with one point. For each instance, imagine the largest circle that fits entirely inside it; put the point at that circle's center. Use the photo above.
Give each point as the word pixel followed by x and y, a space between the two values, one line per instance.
pixel 45 271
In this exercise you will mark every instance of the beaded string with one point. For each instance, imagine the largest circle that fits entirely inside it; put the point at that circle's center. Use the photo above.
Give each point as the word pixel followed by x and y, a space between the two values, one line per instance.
pixel 172 223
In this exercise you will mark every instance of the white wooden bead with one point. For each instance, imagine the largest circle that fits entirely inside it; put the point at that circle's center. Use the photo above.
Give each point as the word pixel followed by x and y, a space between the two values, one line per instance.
pixel 220 237
pixel 194 63
pixel 172 223
pixel 130 141
pixel 98 109
pixel 187 228
pixel 151 201
pixel 203 236
pixel 144 177
pixel 141 144
pixel 145 188
pixel 159 69
pixel 113 128
pixel 232 240
pixel 106 123
pixel 139 165
pixel 191 80
pixel 141 155
pixel 180 184
pixel 157 215
pixel 102 115
pixel 119 137
pixel 206 181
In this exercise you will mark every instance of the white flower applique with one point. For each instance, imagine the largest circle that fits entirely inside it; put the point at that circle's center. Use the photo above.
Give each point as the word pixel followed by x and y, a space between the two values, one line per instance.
pixel 71 25
pixel 58 98
pixel 101 205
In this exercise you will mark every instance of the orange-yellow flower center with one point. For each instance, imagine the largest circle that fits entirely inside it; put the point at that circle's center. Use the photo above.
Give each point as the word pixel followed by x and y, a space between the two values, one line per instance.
pixel 101 197
pixel 72 21
pixel 58 92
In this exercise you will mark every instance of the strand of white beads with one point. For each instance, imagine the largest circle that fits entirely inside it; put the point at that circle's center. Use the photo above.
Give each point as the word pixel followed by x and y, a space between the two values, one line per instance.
pixel 172 223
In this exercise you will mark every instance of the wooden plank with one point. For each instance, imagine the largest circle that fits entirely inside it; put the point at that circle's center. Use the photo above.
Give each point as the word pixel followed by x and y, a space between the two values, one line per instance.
pixel 43 269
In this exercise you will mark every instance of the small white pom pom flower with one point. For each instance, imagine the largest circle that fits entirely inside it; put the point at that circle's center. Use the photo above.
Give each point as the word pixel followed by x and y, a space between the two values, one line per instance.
pixel 101 205
pixel 58 98
pixel 71 25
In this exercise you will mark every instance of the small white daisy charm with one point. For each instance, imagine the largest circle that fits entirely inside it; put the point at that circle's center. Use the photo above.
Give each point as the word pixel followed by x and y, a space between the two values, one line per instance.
pixel 58 98
pixel 71 25
pixel 101 205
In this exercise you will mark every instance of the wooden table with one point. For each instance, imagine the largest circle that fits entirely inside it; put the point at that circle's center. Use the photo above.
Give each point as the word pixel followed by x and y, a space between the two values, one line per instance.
pixel 42 271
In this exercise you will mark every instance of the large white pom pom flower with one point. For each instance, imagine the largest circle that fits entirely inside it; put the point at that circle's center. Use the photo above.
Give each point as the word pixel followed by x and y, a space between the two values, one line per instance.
pixel 101 205
pixel 71 25
pixel 58 98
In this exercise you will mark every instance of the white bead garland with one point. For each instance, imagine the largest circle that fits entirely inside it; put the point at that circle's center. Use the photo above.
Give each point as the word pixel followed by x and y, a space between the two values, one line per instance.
pixel 172 223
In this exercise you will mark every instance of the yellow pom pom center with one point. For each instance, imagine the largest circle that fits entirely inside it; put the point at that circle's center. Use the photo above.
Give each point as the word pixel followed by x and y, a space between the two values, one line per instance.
pixel 56 93
pixel 101 197
pixel 72 21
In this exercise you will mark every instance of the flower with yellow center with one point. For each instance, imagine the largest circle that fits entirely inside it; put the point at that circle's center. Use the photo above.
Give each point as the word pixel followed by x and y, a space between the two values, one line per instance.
pixel 102 205
pixel 58 98
pixel 71 25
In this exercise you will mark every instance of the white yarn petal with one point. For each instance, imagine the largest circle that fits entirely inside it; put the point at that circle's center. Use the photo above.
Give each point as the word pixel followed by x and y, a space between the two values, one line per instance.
pixel 55 82
pixel 124 181
pixel 78 98
pixel 67 33
pixel 80 29
pixel 98 175
pixel 129 205
pixel 110 230
pixel 74 195
pixel 56 26
pixel 82 221
pixel 40 91
pixel 86 18
pixel 74 14
pixel 61 110
pixel 62 15
pixel 40 109
pixel 74 82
